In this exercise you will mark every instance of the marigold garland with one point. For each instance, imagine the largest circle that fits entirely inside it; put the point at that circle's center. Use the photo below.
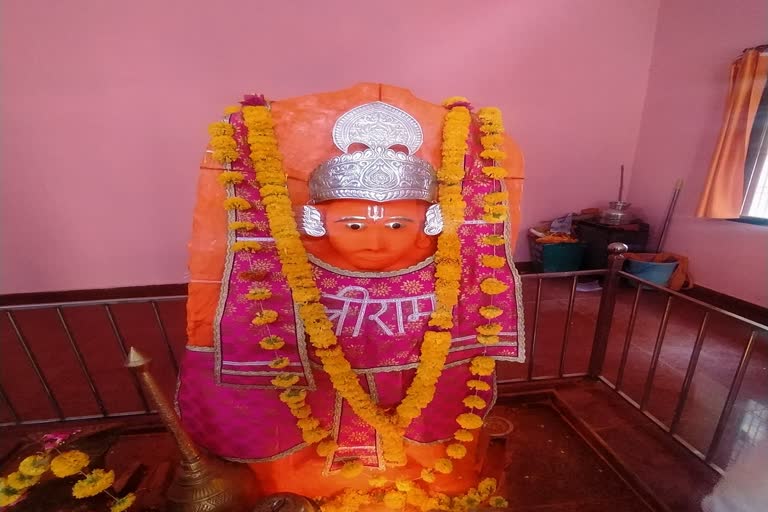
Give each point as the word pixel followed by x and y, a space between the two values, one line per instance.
pixel 469 421
pixel 35 465
pixel 265 317
pixel 242 225
pixel 94 483
pixel 272 343
pixel 123 503
pixel 490 312
pixel 231 177
pixel 20 481
pixel 69 463
pixel 493 286
pixel 279 362
pixel 352 469
pixel 236 203
pixel 247 245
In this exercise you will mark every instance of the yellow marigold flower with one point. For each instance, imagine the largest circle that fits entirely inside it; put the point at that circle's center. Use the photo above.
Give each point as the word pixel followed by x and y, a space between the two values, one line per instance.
pixel 293 396
pixel 95 482
pixel 487 486
pixel 123 503
pixel 248 245
pixel 492 261
pixel 301 412
pixel 493 240
pixel 408 411
pixel 482 365
pixel 232 109
pixel 394 500
pixel 309 423
pixel 236 203
pixel 223 142
pixel 463 435
pixel 490 312
pixel 489 115
pixel 456 450
pixel 220 128
pixel 19 480
pixel 225 155
pixel 493 154
pixel 469 421
pixel 494 218
pixel 428 475
pixel 314 436
pixel 35 465
pixel 492 140
pixel 474 402
pixel 227 177
pixel 240 224
pixel 493 198
pixel 8 495
pixel 492 286
pixel 487 339
pixel 285 380
pixel 443 466
pixel 403 485
pixel 378 481
pixel 69 463
pixel 478 385
pixel 489 329
pixel 279 362
pixel 495 172
pixel 272 343
pixel 352 469
pixel 267 316
pixel 327 447
pixel 498 502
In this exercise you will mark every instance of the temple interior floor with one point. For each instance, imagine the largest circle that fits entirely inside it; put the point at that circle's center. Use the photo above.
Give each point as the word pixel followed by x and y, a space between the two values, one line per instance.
pixel 573 447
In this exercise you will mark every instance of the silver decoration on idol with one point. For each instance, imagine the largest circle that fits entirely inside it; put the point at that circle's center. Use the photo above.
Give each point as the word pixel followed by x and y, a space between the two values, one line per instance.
pixel 378 172
pixel 312 221
pixel 434 223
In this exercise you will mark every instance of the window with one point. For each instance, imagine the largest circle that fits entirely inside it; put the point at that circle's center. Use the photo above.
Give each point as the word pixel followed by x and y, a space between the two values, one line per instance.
pixel 756 166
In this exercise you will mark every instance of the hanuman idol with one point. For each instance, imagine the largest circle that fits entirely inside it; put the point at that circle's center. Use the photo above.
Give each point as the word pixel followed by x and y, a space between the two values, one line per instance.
pixel 352 291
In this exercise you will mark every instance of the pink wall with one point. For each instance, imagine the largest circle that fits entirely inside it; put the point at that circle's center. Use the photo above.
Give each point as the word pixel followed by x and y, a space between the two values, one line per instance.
pixel 105 107
pixel 695 42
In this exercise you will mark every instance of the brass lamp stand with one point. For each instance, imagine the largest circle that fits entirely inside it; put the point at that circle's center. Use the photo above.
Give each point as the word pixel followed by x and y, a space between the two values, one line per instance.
pixel 199 485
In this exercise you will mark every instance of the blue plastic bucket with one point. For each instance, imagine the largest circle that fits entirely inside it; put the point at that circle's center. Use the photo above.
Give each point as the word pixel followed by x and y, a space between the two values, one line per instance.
pixel 658 273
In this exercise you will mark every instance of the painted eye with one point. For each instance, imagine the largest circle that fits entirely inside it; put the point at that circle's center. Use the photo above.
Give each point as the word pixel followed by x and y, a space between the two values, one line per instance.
pixel 394 225
pixel 355 226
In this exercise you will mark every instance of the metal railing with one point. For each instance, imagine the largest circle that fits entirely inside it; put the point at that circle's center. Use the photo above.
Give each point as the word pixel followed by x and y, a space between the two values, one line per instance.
pixel 597 350
pixel 106 307
pixel 605 321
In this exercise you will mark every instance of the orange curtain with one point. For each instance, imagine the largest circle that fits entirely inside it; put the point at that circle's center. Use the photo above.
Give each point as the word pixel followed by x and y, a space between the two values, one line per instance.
pixel 724 190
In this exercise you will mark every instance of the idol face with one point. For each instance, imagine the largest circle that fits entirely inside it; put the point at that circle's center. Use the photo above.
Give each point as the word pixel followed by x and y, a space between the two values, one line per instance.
pixel 370 236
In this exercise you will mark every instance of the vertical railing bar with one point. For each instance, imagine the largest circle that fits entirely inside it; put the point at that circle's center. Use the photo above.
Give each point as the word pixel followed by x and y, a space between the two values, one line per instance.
pixel 7 401
pixel 35 366
pixel 81 362
pixel 733 393
pixel 689 373
pixel 165 337
pixel 616 260
pixel 656 354
pixel 569 315
pixel 124 351
pixel 628 338
pixel 532 351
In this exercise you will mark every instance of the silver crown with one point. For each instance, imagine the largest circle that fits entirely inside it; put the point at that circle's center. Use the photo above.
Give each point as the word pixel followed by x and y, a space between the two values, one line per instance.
pixel 379 172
